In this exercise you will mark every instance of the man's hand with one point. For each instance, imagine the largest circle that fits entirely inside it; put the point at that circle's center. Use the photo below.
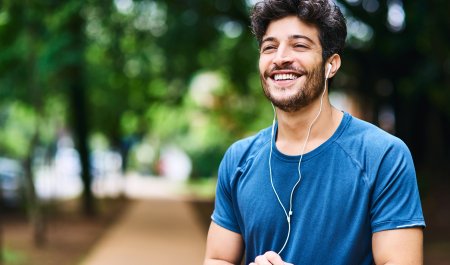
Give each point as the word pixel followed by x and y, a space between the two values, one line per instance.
pixel 269 258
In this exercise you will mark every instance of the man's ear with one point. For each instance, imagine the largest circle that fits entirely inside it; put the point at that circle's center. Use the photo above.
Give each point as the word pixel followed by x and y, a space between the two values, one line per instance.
pixel 335 61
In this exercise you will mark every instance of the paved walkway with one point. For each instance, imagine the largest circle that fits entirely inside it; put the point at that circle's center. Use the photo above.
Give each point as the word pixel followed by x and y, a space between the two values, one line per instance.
pixel 152 231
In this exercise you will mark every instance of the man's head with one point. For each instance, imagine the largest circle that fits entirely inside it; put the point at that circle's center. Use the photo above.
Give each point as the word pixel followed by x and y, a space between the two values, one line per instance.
pixel 297 39
pixel 322 14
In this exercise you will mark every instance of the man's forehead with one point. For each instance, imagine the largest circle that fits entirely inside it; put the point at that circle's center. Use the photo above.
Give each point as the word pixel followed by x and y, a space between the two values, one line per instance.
pixel 291 27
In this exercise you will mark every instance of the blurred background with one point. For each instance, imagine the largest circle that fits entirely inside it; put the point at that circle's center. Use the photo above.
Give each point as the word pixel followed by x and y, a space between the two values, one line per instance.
pixel 116 108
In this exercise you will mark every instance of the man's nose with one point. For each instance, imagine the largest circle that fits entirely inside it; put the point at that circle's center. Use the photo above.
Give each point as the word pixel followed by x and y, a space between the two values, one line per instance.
pixel 283 56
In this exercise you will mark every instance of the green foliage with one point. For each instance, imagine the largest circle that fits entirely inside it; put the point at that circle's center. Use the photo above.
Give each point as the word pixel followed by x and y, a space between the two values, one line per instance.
pixel 19 122
pixel 142 61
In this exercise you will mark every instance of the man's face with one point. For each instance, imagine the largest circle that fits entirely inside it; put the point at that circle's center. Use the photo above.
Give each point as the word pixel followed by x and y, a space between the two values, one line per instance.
pixel 290 64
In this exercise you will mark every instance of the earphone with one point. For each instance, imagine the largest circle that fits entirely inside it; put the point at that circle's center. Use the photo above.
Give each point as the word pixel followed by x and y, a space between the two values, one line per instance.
pixel 289 213
pixel 328 71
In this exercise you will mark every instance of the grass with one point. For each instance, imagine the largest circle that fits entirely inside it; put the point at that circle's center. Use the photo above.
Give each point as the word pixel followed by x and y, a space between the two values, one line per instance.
pixel 13 257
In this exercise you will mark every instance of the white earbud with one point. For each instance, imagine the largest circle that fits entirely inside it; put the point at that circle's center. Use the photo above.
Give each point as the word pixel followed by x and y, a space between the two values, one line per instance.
pixel 328 71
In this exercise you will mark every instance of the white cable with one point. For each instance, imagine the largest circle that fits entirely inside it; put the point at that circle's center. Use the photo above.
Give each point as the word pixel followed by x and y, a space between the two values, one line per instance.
pixel 288 215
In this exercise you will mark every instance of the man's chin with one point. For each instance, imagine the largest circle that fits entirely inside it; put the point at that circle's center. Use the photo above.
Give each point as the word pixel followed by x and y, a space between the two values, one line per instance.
pixel 289 108
pixel 287 105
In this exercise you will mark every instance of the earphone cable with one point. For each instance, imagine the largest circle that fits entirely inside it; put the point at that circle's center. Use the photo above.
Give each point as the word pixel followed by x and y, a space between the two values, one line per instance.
pixel 288 215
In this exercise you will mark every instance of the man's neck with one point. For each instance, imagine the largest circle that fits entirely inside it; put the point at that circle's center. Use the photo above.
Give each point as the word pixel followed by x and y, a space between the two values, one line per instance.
pixel 293 127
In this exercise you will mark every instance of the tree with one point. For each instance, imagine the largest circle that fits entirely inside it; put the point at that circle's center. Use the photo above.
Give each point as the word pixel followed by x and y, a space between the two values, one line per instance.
pixel 406 68
pixel 42 60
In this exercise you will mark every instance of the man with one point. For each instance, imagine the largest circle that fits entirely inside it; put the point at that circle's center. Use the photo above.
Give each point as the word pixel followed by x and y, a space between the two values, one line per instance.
pixel 319 186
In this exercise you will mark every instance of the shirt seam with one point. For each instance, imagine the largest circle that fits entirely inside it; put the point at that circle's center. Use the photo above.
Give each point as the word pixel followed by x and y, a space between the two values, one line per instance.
pixel 397 221
pixel 357 163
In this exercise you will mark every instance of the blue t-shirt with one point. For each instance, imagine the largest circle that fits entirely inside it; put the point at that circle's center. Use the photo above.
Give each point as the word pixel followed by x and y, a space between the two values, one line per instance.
pixel 360 181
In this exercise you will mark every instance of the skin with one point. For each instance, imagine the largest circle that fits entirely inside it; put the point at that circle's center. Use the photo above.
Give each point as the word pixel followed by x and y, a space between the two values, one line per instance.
pixel 291 46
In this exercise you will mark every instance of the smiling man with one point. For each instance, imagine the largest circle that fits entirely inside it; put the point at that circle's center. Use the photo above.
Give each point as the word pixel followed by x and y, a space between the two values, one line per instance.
pixel 319 186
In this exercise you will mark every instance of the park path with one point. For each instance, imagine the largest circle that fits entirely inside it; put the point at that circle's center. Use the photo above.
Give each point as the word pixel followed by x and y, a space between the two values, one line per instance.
pixel 152 232
pixel 156 230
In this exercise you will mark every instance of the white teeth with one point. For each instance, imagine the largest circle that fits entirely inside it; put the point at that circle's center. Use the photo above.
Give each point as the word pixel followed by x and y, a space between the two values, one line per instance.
pixel 278 77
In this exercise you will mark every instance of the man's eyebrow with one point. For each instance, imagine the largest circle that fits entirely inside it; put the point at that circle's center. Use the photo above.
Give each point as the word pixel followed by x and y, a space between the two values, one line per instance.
pixel 291 37
pixel 268 39
pixel 298 36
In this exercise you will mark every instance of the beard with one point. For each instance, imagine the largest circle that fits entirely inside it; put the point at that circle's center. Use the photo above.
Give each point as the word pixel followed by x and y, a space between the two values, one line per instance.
pixel 311 90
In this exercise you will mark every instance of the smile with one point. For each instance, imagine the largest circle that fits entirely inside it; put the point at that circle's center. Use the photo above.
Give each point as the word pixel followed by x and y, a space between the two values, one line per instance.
pixel 282 77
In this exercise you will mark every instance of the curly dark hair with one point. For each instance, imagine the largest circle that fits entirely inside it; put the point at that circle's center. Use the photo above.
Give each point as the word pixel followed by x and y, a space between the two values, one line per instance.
pixel 326 16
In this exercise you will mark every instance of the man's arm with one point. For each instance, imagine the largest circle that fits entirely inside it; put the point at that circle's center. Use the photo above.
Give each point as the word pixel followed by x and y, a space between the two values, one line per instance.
pixel 398 247
pixel 223 247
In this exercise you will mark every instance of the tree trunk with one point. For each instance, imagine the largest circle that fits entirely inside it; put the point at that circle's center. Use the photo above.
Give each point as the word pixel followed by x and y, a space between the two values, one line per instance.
pixel 81 133
pixel 75 78
pixel 34 209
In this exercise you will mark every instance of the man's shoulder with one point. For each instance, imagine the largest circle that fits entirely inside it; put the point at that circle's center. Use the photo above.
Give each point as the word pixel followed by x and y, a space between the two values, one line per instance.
pixel 253 142
pixel 248 147
pixel 366 142
pixel 370 135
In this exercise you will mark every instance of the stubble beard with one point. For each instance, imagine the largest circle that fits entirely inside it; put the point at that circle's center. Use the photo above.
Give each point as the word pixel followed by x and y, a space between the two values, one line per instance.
pixel 311 90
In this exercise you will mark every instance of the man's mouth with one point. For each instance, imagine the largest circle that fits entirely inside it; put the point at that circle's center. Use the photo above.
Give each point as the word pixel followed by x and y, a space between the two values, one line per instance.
pixel 284 77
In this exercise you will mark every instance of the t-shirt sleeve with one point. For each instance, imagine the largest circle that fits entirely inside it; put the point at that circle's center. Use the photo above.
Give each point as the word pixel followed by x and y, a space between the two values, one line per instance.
pixel 395 201
pixel 224 214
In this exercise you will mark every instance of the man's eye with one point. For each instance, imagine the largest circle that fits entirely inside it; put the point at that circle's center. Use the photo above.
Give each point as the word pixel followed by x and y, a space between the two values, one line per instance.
pixel 299 45
pixel 268 48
